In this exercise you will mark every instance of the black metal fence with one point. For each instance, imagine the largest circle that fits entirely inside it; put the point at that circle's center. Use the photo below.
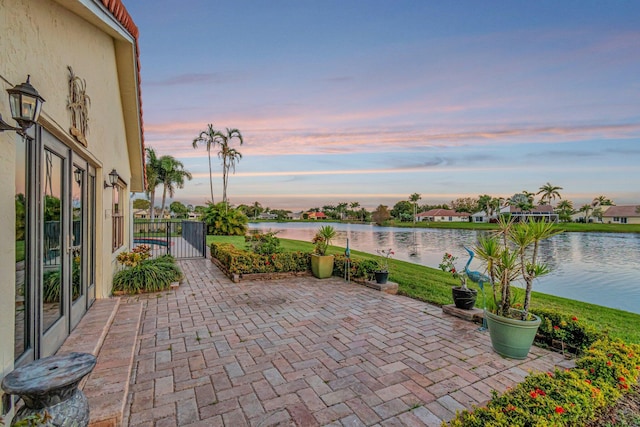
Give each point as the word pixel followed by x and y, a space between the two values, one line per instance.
pixel 180 239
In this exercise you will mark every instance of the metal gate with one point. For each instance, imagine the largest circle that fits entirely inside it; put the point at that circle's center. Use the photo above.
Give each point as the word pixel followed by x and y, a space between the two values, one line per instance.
pixel 180 239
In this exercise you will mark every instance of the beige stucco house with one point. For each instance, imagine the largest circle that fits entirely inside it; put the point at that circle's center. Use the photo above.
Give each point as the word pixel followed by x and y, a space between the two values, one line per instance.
pixel 69 225
pixel 629 214
pixel 443 215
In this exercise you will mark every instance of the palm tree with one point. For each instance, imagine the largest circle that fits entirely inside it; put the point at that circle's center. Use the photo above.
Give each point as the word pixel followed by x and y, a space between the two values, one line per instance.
pixel 210 137
pixel 587 209
pixel 601 201
pixel 414 199
pixel 341 208
pixel 564 210
pixel 172 175
pixel 354 206
pixel 229 156
pixel 549 192
pixel 153 169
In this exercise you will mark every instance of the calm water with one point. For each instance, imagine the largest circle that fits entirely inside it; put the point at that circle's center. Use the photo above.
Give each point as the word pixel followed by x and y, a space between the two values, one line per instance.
pixel 600 268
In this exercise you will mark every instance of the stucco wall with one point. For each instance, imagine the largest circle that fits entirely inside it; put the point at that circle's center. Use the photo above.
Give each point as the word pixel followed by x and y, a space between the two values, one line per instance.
pixel 42 38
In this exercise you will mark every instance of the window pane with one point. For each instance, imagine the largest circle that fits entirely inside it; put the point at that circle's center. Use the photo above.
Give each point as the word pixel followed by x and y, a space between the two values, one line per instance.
pixel 77 289
pixel 21 334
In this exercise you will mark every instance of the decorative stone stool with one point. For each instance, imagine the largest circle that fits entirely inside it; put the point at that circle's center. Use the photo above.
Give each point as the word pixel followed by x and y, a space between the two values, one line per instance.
pixel 51 385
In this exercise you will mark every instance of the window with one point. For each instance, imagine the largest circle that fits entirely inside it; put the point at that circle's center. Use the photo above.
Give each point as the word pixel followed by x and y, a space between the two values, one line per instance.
pixel 616 219
pixel 117 217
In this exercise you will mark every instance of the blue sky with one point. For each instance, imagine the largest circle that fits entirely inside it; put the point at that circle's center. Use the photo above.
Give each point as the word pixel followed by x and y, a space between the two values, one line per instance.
pixel 370 101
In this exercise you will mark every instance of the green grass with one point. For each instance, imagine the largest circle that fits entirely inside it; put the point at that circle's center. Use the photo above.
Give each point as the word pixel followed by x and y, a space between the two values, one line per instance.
pixel 434 286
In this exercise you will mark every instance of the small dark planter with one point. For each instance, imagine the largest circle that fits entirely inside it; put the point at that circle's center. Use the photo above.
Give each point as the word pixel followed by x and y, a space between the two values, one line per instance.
pixel 381 277
pixel 464 298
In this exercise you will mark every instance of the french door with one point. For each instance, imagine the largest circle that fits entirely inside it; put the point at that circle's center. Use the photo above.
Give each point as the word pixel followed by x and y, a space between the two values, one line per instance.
pixel 59 246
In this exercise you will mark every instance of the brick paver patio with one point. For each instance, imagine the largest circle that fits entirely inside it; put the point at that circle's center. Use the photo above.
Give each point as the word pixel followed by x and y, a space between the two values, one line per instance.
pixel 307 352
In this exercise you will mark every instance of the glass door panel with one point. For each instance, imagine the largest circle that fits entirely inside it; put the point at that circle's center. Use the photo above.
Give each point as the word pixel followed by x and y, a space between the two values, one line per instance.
pixel 22 295
pixel 52 286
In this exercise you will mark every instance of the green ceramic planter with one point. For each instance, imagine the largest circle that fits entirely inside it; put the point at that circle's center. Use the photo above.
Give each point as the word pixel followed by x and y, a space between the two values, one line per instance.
pixel 512 337
pixel 322 266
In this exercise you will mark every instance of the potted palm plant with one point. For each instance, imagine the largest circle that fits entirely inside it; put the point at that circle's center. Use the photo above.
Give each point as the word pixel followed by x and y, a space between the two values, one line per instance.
pixel 510 255
pixel 321 263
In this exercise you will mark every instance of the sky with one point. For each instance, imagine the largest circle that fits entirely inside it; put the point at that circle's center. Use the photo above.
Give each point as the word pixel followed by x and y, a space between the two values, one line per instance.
pixel 370 101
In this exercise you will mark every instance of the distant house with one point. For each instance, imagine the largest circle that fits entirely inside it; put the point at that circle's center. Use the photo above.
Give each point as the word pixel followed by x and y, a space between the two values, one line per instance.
pixel 443 215
pixel 537 213
pixel 193 215
pixel 294 215
pixel 267 215
pixel 316 215
pixel 481 217
pixel 622 215
pixel 141 213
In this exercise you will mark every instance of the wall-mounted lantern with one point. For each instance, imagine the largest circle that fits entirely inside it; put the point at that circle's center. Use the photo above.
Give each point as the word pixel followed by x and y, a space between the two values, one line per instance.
pixel 113 179
pixel 25 103
pixel 77 175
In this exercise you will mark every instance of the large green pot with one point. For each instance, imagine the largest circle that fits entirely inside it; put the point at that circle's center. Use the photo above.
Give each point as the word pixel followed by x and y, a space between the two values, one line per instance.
pixel 322 265
pixel 512 337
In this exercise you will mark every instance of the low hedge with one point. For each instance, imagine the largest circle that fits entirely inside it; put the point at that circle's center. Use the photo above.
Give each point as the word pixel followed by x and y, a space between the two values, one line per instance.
pixel 238 261
pixel 571 397
pixel 574 335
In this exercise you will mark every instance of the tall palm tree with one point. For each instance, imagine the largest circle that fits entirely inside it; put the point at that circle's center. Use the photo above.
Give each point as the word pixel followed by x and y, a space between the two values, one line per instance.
pixel 228 155
pixel 172 175
pixel 211 137
pixel 587 209
pixel 153 169
pixel 354 206
pixel 414 199
pixel 565 210
pixel 549 192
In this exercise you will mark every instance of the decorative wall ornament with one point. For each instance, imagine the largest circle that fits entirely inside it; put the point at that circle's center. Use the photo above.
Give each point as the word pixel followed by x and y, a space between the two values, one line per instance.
pixel 78 103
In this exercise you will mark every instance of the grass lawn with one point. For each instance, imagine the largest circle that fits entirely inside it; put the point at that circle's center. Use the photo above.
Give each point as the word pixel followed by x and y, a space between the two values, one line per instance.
pixel 434 286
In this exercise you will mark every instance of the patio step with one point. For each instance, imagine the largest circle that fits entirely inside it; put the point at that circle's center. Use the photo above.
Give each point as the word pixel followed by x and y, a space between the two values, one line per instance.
pixel 109 330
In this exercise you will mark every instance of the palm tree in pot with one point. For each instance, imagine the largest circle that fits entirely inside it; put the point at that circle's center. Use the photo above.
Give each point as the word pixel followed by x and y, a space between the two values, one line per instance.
pixel 321 263
pixel 510 255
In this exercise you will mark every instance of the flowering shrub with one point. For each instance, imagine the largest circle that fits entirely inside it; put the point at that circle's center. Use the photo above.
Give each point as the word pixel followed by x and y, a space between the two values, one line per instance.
pixel 383 261
pixel 563 397
pixel 135 257
pixel 448 266
pixel 238 261
pixel 574 334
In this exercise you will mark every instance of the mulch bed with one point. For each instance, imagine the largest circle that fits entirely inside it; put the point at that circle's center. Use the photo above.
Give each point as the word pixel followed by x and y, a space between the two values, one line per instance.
pixel 625 413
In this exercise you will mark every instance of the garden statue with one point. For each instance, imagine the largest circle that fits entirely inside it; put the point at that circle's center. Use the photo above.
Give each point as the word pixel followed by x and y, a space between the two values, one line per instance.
pixel 480 279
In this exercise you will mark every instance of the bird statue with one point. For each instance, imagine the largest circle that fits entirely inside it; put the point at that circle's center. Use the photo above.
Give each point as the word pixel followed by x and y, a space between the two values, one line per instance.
pixel 480 279
pixel 475 276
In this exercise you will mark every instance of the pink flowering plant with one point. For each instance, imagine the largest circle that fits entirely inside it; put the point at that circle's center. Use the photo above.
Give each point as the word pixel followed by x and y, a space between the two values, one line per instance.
pixel 448 266
pixel 383 261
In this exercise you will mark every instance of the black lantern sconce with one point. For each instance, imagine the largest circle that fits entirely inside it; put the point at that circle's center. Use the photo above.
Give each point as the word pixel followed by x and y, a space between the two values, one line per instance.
pixel 25 103
pixel 77 175
pixel 113 179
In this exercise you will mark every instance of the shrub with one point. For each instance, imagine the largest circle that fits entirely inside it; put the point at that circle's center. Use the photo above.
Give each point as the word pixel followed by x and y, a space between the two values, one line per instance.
pixel 360 268
pixel 151 275
pixel 239 261
pixel 571 331
pixel 224 220
pixel 563 398
pixel 263 244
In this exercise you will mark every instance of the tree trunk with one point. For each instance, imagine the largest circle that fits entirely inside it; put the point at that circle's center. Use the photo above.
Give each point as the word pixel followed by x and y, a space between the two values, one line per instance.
pixel 210 175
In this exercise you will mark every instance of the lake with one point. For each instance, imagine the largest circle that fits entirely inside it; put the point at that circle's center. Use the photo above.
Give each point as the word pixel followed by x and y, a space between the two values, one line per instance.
pixel 599 268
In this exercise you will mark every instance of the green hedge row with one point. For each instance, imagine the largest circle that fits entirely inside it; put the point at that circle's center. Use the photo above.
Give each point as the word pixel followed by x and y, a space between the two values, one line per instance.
pixel 239 261
pixel 571 397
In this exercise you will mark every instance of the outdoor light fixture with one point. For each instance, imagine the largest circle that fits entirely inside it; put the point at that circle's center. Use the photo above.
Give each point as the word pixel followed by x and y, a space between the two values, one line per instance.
pixel 25 103
pixel 113 179
pixel 77 175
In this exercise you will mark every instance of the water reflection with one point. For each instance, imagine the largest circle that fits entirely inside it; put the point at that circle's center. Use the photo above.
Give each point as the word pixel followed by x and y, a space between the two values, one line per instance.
pixel 591 267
